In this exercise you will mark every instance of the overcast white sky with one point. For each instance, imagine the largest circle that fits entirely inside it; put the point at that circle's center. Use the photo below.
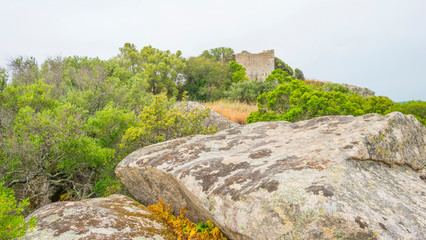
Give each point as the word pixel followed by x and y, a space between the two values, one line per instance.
pixel 379 44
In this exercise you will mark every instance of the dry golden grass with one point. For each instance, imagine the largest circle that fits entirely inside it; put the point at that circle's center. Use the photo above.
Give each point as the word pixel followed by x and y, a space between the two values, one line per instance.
pixel 234 111
pixel 315 82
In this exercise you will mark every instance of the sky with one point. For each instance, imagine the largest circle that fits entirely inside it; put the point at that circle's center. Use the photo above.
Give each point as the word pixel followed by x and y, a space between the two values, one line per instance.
pixel 378 44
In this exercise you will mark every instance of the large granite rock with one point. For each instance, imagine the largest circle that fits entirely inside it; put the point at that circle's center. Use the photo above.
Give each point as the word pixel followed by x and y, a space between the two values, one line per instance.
pixel 214 119
pixel 333 177
pixel 115 217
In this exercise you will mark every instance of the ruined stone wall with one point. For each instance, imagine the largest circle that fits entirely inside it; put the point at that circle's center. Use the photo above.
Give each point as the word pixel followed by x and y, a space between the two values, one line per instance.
pixel 258 65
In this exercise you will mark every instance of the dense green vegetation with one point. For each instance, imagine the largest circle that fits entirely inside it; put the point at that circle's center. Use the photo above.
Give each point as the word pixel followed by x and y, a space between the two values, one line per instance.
pixel 65 124
pixel 12 224
pixel 294 100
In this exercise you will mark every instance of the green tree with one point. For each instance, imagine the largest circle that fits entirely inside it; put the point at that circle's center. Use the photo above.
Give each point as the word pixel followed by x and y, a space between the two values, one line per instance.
pixel 298 74
pixel 374 104
pixel 248 91
pixel 279 64
pixel 109 124
pixel 160 69
pixel 278 76
pixel 3 79
pixel 238 72
pixel 12 223
pixel 205 79
pixel 162 121
pixel 36 95
pixel 220 54
pixel 295 101
pixel 24 70
pixel 329 87
pixel 47 153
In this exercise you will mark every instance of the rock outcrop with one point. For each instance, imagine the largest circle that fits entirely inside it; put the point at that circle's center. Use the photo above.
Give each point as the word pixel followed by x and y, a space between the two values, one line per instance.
pixel 365 92
pixel 214 119
pixel 115 217
pixel 332 177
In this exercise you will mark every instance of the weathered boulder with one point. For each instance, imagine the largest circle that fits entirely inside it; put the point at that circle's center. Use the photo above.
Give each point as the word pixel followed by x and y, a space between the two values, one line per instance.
pixel 365 92
pixel 332 177
pixel 115 217
pixel 213 119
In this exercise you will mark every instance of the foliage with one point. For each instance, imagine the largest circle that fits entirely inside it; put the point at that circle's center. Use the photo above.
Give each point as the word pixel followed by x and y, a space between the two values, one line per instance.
pixel 278 76
pixel 220 54
pixel 62 124
pixel 373 104
pixel 36 96
pixel 208 76
pixel 238 72
pixel 3 79
pixel 159 68
pixel 298 74
pixel 161 121
pixel 248 91
pixel 184 228
pixel 108 124
pixel 205 79
pixel 279 64
pixel 24 70
pixel 329 87
pixel 48 150
pixel 295 101
pixel 12 223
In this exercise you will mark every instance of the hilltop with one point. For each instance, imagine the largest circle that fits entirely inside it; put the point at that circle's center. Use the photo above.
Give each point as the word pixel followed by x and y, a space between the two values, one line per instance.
pixel 65 124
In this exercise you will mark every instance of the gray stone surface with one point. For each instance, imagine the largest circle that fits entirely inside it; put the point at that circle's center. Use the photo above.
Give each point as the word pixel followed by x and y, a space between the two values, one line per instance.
pixel 214 119
pixel 365 92
pixel 333 177
pixel 116 217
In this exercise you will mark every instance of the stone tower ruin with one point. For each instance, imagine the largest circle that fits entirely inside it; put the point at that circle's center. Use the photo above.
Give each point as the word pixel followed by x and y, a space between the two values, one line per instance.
pixel 258 65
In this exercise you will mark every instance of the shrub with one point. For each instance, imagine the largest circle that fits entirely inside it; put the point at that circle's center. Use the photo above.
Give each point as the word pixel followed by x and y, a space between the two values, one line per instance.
pixel 12 223
pixel 295 101
pixel 298 74
pixel 161 121
pixel 248 91
pixel 184 228
pixel 279 64
pixel 329 87
pixel 278 76
pixel 238 72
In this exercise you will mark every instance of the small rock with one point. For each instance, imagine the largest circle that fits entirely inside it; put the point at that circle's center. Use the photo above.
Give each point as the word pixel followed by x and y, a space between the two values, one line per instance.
pixel 115 217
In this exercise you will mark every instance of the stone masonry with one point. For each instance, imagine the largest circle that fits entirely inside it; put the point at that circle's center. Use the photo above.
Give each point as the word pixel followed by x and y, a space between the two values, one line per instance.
pixel 258 65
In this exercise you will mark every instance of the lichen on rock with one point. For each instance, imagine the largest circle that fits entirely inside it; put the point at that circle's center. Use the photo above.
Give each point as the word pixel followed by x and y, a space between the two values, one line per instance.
pixel 115 217
pixel 333 177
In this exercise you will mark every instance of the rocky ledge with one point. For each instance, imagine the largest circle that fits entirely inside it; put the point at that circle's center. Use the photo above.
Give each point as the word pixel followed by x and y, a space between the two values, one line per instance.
pixel 333 177
pixel 115 217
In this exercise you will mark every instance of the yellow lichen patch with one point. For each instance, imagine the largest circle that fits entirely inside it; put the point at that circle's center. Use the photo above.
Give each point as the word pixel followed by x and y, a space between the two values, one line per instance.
pixel 328 233
pixel 185 229
pixel 288 227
